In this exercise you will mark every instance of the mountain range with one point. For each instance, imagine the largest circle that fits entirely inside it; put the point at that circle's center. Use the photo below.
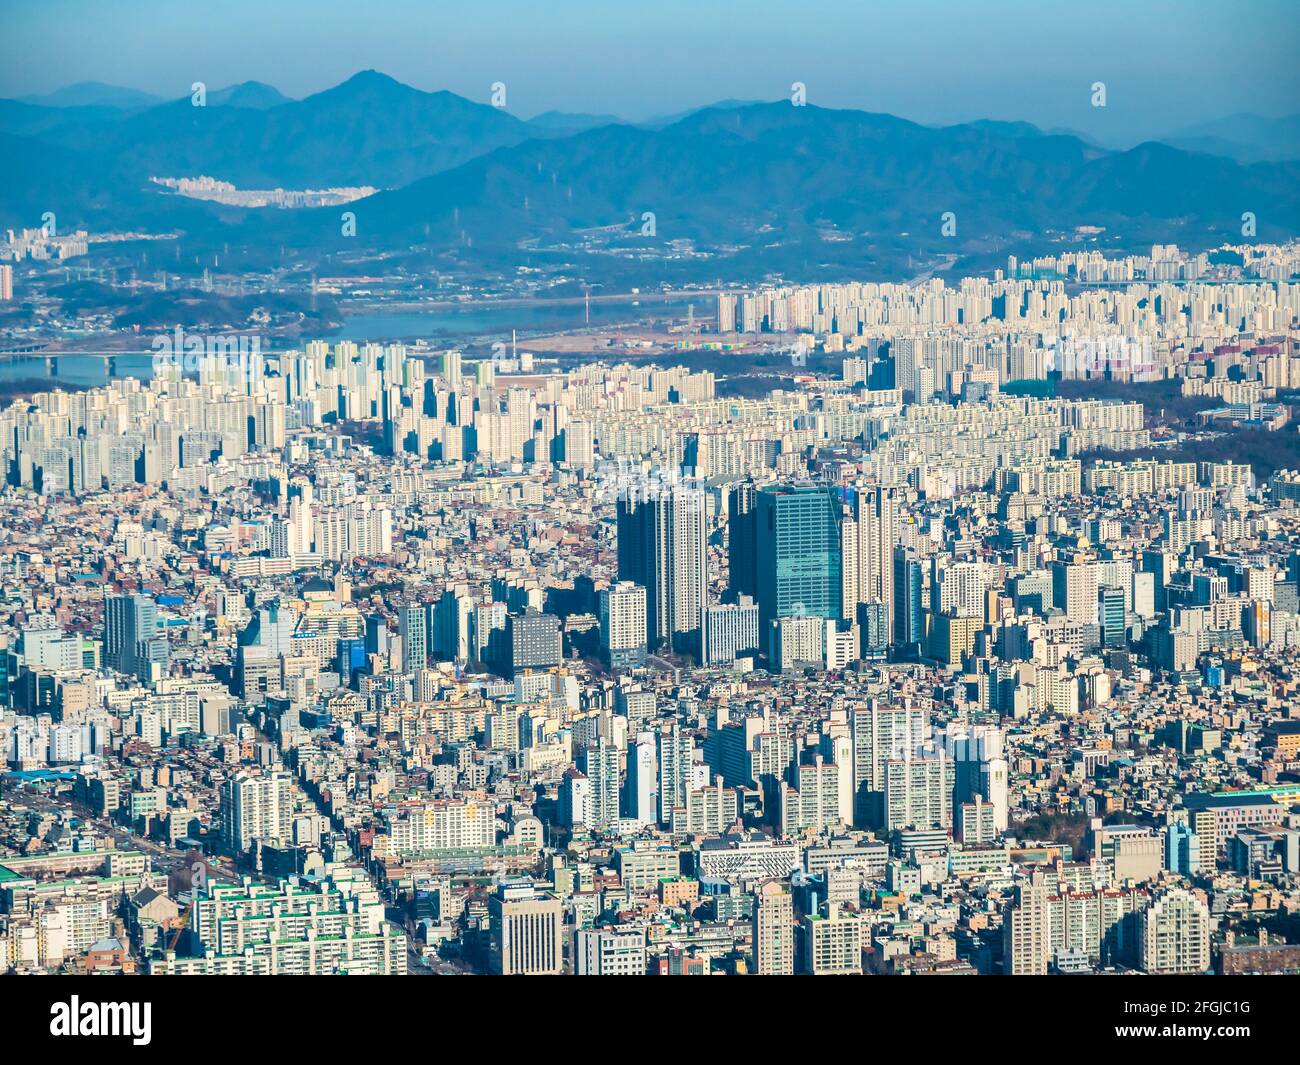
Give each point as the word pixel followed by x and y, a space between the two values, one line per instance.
pixel 746 181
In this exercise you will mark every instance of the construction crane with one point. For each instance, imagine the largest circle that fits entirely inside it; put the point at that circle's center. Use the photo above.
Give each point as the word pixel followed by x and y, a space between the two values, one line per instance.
pixel 186 917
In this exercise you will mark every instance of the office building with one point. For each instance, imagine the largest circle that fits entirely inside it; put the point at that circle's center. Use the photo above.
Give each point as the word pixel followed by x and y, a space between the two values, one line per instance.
pixel 526 931
pixel 798 551
pixel 132 643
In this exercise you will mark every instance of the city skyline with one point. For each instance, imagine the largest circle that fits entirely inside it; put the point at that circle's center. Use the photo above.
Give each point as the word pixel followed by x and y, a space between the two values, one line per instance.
pixel 714 526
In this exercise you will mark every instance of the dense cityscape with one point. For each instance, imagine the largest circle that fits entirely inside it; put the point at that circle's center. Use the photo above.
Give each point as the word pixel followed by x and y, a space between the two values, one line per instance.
pixel 649 490
pixel 357 659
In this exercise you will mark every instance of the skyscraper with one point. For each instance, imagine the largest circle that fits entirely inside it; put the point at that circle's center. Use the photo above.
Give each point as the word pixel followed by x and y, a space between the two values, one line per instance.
pixel 662 546
pixel 869 537
pixel 798 551
pixel 730 630
pixel 980 767
pixel 1174 932
pixel 643 779
pixel 534 640
pixel 909 621
pixel 880 732
pixel 918 791
pixel 676 754
pixel 832 942
pixel 1074 590
pixel 256 806
pixel 450 632
pixel 599 763
pixel 131 640
pixel 742 559
pixel 1111 616
pixel 412 625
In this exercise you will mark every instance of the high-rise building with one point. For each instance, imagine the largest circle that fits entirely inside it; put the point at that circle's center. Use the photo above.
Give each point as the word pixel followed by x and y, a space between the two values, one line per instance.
pixel 132 643
pixel 450 631
pixel 526 931
pixel 1111 617
pixel 599 763
pixel 980 768
pixel 262 644
pixel 742 548
pixel 1027 930
pixel 832 942
pixel 909 620
pixel 488 634
pixel 534 640
pixel 773 929
pixel 1074 590
pixel 1175 933
pixel 798 550
pixel 875 527
pixel 623 625
pixel 579 444
pixel 412 626
pixel 730 631
pixel 676 750
pixel 726 313
pixel 256 807
pixel 816 800
pixel 918 791
pixel 663 546
pixel 643 779
pixel 1048 920
pixel 879 732
pixel 874 627
pixel 1182 850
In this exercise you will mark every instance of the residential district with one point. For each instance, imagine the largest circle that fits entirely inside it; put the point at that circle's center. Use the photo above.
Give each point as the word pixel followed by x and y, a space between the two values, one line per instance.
pixel 342 660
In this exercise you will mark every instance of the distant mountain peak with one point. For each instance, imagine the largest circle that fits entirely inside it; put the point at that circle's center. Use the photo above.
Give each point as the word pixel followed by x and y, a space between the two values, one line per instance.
pixel 254 94
pixel 370 81
pixel 95 94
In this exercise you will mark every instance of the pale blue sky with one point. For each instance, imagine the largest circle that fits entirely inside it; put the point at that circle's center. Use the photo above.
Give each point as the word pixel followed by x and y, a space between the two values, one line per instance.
pixel 1166 63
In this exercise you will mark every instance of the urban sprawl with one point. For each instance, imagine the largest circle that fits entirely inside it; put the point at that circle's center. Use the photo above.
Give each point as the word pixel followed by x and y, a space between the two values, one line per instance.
pixel 357 659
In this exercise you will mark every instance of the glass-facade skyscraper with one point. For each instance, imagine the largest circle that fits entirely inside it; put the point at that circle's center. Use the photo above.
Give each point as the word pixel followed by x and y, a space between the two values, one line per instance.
pixel 909 621
pixel 132 643
pixel 797 546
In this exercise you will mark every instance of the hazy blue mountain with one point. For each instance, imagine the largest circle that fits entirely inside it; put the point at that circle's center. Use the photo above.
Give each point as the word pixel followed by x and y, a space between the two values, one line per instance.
pixel 1245 138
pixel 370 129
pixel 662 121
pixel 734 174
pixel 550 123
pixel 253 94
pixel 756 183
pixel 39 177
pixel 37 120
pixel 95 94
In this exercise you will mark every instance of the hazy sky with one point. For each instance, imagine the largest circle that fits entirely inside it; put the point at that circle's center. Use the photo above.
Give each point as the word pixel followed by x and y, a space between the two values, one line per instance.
pixel 1166 63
